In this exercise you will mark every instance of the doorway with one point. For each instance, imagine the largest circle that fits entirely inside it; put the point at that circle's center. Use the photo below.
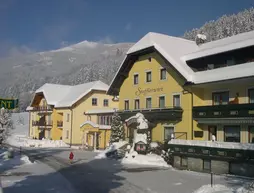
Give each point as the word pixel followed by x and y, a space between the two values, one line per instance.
pixel 212 130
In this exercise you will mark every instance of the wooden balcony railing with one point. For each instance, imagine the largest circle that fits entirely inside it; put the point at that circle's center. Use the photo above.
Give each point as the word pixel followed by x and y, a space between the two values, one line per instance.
pixel 43 108
pixel 42 123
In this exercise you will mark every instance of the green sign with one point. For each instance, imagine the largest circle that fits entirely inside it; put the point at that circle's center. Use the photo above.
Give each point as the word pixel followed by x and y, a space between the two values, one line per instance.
pixel 9 103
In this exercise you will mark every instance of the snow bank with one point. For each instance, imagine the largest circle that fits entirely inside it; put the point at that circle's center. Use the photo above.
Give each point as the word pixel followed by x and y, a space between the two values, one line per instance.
pixel 149 159
pixel 25 160
pixel 216 144
pixel 111 148
pixel 18 141
pixel 216 188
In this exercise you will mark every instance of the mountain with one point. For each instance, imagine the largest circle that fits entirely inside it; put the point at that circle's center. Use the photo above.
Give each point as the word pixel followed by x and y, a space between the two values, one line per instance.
pixel 225 26
pixel 86 61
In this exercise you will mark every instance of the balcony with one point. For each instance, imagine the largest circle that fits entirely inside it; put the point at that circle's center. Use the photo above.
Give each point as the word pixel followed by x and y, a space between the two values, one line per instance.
pixel 153 114
pixel 244 112
pixel 59 123
pixel 42 123
pixel 43 109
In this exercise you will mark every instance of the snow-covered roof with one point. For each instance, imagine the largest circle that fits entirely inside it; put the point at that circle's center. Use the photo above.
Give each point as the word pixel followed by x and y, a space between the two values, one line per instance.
pixel 66 95
pixel 222 45
pixel 29 108
pixel 95 125
pixel 98 111
pixel 177 51
pixel 172 48
pixel 77 92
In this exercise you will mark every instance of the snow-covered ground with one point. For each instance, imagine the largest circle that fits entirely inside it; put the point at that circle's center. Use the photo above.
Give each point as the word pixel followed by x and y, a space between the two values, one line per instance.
pixel 219 188
pixel 148 160
pixel 19 136
pixel 111 148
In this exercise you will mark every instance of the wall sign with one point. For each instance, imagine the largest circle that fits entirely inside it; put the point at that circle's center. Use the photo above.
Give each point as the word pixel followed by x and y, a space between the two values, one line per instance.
pixel 144 92
pixel 9 103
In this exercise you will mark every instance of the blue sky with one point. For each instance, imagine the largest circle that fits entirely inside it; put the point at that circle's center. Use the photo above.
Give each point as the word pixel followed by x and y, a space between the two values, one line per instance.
pixel 36 25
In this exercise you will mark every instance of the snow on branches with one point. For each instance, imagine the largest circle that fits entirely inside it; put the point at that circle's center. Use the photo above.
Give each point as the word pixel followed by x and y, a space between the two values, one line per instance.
pixel 117 129
pixel 6 124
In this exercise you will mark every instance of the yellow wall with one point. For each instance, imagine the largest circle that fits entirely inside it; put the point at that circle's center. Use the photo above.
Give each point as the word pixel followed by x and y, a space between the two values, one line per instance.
pixel 56 132
pixel 233 87
pixel 173 84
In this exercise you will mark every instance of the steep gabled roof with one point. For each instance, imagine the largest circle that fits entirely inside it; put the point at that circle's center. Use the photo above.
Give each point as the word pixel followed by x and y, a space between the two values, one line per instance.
pixel 79 91
pixel 65 95
pixel 172 48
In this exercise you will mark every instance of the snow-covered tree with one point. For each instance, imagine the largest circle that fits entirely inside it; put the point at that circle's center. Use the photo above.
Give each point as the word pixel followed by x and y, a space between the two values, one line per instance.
pixel 117 129
pixel 6 124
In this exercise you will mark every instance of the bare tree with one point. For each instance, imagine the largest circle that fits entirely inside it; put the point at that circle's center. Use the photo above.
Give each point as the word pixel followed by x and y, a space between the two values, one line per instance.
pixel 6 124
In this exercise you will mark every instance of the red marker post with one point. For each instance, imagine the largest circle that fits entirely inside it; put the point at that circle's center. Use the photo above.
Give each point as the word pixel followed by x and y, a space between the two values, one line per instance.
pixel 71 156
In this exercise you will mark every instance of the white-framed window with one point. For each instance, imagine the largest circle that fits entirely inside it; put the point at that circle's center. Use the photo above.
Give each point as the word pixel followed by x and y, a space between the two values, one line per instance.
pixel 135 79
pixel 176 100
pixel 149 76
pixel 94 101
pixel 168 132
pixel 149 102
pixel 67 134
pixel 105 102
pixel 136 104
pixel 161 101
pixel 163 74
pixel 68 117
pixel 126 105
pixel 220 98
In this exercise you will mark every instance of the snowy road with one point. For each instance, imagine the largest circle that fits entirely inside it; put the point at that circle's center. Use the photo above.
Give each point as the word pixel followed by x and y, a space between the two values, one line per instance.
pixel 109 176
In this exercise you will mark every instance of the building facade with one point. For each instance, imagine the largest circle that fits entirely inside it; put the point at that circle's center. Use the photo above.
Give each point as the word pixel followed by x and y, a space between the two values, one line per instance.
pixel 188 90
pixel 58 112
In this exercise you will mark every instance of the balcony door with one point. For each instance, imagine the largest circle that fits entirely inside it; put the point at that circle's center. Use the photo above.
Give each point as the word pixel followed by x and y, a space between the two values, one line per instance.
pixel 212 130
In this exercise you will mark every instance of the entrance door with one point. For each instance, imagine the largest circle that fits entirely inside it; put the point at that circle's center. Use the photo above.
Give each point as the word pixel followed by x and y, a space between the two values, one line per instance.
pixel 97 140
pixel 212 130
pixel 42 134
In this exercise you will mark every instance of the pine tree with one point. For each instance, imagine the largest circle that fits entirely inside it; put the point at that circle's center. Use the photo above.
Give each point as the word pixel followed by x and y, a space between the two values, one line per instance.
pixel 6 124
pixel 117 129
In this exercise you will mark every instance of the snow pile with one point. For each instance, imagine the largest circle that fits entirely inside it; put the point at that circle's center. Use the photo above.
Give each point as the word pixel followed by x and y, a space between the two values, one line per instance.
pixel 216 188
pixel 114 146
pixel 148 160
pixel 216 144
pixel 18 141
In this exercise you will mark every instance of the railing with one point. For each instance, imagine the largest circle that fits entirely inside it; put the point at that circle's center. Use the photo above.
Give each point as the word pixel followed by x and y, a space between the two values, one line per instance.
pixel 43 108
pixel 165 113
pixel 42 123
pixel 223 111
pixel 59 123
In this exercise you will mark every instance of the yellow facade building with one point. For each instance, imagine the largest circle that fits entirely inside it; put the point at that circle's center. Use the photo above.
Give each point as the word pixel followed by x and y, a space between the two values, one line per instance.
pixel 189 90
pixel 79 115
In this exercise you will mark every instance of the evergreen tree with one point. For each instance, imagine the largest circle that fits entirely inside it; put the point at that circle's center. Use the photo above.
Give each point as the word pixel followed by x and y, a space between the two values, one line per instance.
pixel 117 129
pixel 6 124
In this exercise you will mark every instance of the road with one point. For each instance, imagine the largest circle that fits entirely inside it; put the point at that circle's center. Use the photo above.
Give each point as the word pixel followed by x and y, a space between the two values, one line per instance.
pixel 91 175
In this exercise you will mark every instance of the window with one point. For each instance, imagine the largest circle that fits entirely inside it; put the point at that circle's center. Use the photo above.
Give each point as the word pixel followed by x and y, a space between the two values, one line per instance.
pixel 251 134
pixel 94 101
pixel 176 100
pixel 135 79
pixel 148 76
pixel 163 74
pixel 198 134
pixel 220 98
pixel 105 102
pixel 149 103
pixel 126 105
pixel 104 120
pixel 136 104
pixel 68 117
pixel 67 134
pixel 207 165
pixel 232 133
pixel 168 133
pixel 162 102
pixel 251 95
